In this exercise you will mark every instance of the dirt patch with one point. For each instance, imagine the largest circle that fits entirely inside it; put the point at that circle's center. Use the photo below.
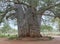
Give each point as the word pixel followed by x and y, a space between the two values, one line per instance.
pixel 6 41
pixel 36 39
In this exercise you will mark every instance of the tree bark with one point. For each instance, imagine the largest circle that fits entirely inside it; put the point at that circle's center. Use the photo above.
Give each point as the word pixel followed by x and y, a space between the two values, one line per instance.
pixel 34 23
pixel 28 24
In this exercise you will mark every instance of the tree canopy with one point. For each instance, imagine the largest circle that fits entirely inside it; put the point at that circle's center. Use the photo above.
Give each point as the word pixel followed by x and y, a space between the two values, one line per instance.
pixel 39 6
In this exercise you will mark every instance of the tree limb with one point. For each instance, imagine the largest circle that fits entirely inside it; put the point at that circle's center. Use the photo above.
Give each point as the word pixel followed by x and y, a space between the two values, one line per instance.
pixel 2 16
pixel 23 4
pixel 11 14
pixel 47 8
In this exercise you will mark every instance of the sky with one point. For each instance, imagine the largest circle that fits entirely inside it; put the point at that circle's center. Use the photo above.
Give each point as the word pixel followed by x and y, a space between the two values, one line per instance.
pixel 11 23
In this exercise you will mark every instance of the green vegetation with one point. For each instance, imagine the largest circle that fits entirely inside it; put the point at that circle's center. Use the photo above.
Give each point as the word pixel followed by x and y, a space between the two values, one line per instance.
pixel 2 36
pixel 46 28
pixel 11 37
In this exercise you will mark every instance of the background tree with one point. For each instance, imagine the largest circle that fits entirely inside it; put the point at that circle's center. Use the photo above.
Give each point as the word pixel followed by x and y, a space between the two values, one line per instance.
pixel 6 28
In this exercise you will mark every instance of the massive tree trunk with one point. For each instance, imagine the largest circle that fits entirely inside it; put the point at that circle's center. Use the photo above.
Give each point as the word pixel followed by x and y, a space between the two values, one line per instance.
pixel 28 24
pixel 34 26
pixel 34 23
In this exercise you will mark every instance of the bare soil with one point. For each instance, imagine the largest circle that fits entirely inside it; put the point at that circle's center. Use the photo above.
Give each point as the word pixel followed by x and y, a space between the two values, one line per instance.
pixel 6 41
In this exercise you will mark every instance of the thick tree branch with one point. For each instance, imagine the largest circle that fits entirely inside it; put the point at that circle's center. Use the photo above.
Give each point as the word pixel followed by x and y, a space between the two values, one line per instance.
pixel 23 4
pixel 49 15
pixel 47 8
pixel 11 14
pixel 4 14
pixel 55 14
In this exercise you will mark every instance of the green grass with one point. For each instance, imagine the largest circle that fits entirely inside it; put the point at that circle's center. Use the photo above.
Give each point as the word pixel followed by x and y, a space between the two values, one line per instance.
pixel 12 37
pixel 2 36
pixel 8 36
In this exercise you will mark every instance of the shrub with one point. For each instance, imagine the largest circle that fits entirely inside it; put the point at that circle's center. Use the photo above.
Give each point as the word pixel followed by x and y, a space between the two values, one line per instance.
pixel 1 35
pixel 12 37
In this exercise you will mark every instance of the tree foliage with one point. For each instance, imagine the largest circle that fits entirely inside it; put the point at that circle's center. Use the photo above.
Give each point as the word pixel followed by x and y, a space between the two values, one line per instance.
pixel 6 28
pixel 47 5
pixel 46 28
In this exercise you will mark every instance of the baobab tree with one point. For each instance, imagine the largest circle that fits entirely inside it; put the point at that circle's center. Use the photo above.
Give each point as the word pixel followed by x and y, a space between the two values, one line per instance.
pixel 28 14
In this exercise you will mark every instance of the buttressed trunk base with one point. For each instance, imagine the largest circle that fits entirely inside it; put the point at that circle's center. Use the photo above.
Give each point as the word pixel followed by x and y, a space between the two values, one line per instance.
pixel 28 25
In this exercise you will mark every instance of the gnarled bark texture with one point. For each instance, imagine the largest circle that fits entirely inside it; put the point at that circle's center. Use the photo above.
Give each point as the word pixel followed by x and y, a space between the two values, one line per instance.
pixel 28 24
